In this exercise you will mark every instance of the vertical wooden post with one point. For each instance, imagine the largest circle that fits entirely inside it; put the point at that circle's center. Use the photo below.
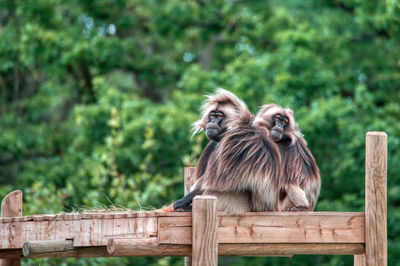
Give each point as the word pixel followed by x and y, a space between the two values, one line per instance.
pixel 359 260
pixel 375 199
pixel 204 230
pixel 188 181
pixel 11 206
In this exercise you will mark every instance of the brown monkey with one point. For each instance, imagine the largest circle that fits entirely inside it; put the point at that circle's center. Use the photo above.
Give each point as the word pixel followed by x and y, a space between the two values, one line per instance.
pixel 245 160
pixel 220 112
pixel 300 182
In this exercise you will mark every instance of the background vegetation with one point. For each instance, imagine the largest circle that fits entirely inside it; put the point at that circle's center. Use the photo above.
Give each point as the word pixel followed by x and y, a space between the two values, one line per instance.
pixel 97 98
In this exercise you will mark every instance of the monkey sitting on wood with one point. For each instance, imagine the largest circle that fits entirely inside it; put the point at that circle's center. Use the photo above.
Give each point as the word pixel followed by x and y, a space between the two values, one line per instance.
pixel 246 160
pixel 300 181
pixel 220 113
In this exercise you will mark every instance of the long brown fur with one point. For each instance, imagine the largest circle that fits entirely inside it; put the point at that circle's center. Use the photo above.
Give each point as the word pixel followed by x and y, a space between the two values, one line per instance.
pixel 246 160
pixel 235 110
pixel 300 182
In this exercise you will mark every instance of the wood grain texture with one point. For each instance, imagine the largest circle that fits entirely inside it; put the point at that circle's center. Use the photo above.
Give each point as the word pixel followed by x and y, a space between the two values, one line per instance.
pixel 151 250
pixel 204 233
pixel 85 232
pixel 312 227
pixel 359 260
pixel 188 180
pixel 11 205
pixel 38 247
pixel 375 198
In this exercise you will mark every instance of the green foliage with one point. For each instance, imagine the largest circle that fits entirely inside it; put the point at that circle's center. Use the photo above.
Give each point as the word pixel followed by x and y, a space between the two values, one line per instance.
pixel 97 97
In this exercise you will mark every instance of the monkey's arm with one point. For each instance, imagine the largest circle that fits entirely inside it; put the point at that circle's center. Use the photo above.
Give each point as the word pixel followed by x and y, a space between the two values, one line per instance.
pixel 184 202
pixel 301 179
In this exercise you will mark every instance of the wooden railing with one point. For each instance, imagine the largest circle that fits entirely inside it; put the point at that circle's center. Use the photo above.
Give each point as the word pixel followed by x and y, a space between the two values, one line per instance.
pixel 206 234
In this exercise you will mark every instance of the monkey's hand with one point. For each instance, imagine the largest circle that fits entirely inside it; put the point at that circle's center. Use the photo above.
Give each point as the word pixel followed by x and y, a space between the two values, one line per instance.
pixel 184 209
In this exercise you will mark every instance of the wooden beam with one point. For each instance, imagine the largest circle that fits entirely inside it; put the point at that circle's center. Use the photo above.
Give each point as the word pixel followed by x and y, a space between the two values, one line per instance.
pixel 87 229
pixel 188 182
pixel 136 247
pixel 204 233
pixel 298 227
pixel 375 198
pixel 38 247
pixel 11 206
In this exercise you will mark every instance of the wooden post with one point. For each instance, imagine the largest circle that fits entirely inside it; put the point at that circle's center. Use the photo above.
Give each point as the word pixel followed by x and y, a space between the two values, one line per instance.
pixel 11 206
pixel 188 181
pixel 359 260
pixel 375 199
pixel 204 231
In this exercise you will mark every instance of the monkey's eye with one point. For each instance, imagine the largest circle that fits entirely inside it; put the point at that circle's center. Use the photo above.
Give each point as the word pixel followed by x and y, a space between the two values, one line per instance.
pixel 216 114
pixel 282 119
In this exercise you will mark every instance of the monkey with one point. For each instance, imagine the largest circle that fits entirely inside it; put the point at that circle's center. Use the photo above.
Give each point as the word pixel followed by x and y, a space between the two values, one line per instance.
pixel 219 114
pixel 300 181
pixel 245 160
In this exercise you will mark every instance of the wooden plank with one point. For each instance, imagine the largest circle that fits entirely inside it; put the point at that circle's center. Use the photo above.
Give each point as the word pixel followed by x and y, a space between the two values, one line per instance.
pixel 84 215
pixel 359 260
pixel 11 205
pixel 85 232
pixel 188 182
pixel 375 198
pixel 145 249
pixel 204 233
pixel 312 227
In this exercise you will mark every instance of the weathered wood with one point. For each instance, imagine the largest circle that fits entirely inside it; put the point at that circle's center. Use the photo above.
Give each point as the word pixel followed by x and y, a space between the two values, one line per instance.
pixel 204 233
pixel 85 232
pixel 188 181
pixel 145 247
pixel 359 260
pixel 37 247
pixel 299 227
pixel 11 205
pixel 375 198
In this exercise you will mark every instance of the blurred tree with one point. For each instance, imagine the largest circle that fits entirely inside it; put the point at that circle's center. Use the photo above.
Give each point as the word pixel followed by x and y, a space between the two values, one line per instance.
pixel 97 97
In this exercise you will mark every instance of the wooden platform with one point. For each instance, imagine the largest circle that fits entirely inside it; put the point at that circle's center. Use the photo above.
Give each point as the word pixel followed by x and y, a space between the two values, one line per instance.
pixel 159 231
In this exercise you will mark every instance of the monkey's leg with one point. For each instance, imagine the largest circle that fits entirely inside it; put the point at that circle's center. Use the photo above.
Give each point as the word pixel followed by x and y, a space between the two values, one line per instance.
pixel 187 200
pixel 298 199
pixel 232 202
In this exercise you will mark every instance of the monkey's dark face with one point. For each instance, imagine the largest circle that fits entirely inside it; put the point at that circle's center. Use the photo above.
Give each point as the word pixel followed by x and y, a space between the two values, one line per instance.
pixel 280 122
pixel 213 127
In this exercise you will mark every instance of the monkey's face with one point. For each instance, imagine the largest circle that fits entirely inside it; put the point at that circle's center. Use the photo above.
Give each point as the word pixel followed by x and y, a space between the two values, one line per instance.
pixel 213 127
pixel 280 122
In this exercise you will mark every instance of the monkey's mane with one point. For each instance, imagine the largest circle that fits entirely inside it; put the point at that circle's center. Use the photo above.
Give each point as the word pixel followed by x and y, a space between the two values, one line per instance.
pixel 221 99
